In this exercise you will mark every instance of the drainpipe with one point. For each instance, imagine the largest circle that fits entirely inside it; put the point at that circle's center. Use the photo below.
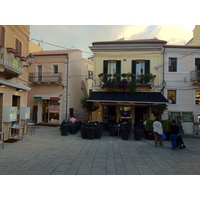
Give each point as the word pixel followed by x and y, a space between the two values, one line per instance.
pixel 67 88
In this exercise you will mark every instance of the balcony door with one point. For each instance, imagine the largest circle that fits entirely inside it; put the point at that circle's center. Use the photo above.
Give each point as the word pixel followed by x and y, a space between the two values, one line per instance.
pixel 39 70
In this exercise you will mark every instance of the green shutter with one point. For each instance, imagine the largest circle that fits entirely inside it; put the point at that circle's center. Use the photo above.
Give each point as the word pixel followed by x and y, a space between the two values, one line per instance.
pixel 105 69
pixel 118 69
pixel 133 69
pixel 147 66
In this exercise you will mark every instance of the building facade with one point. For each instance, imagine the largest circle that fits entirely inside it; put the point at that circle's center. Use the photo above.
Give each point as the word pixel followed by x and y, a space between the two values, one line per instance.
pixel 127 79
pixel 182 76
pixel 58 81
pixel 14 46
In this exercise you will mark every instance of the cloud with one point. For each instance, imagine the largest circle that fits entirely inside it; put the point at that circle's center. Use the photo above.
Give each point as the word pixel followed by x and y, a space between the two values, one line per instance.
pixel 82 36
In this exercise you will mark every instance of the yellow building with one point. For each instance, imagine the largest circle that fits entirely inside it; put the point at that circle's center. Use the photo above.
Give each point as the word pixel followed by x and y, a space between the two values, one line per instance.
pixel 128 79
pixel 14 48
pixel 195 41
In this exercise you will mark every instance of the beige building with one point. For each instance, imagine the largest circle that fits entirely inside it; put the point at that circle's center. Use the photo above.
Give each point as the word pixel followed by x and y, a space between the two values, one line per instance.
pixel 58 82
pixel 14 48
pixel 127 79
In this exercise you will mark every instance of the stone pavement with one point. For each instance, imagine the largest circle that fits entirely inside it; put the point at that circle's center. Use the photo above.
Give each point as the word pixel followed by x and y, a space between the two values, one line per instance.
pixel 48 153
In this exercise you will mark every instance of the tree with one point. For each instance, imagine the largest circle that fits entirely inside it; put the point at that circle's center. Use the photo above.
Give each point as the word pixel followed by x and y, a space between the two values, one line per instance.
pixel 158 109
pixel 89 105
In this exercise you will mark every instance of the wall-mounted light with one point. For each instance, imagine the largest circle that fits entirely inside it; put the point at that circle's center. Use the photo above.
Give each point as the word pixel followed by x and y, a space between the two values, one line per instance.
pixel 29 59
pixel 163 86
pixel 2 85
pixel 19 89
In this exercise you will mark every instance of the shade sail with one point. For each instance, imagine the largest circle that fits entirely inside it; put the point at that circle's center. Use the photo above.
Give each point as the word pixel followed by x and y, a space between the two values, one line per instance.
pixel 126 97
pixel 54 96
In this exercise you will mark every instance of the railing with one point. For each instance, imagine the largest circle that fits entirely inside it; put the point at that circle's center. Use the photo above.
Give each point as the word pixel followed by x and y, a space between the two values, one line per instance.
pixel 10 62
pixel 45 77
pixel 195 76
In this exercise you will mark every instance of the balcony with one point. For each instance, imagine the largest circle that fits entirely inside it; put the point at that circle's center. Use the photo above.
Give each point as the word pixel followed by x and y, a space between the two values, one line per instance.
pixel 45 78
pixel 195 77
pixel 11 63
pixel 126 81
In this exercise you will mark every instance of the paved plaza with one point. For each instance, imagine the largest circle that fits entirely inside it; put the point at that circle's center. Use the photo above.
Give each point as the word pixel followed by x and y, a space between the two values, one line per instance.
pixel 48 153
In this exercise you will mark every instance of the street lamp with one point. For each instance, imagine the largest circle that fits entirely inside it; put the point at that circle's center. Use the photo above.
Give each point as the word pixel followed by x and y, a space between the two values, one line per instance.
pixel 30 59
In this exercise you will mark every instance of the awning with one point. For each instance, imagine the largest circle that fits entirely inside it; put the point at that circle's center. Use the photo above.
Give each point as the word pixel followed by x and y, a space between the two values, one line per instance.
pixel 15 85
pixel 54 96
pixel 126 97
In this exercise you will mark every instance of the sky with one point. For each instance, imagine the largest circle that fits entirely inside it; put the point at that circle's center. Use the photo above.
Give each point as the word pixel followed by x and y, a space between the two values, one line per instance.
pixel 55 37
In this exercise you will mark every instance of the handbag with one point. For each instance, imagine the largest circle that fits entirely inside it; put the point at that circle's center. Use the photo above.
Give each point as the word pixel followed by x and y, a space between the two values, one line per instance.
pixel 164 136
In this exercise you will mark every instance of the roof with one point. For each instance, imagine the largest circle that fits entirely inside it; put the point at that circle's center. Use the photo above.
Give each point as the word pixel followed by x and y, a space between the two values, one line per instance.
pixel 126 97
pixel 141 41
pixel 182 46
pixel 54 52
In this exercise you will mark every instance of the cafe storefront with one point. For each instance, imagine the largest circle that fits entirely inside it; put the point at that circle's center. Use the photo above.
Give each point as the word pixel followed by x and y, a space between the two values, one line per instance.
pixel 125 106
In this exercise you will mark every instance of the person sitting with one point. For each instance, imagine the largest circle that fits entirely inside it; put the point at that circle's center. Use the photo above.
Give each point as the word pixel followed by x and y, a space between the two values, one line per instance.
pixel 73 119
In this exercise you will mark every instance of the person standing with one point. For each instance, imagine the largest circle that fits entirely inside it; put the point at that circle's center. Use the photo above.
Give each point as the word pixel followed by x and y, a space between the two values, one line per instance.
pixel 180 125
pixel 174 134
pixel 158 131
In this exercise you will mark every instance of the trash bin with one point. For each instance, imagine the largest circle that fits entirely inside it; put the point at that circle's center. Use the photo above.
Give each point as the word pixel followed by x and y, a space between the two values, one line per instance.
pixel 124 132
pixel 64 128
pixel 98 131
pixel 138 133
pixel 90 132
pixel 83 132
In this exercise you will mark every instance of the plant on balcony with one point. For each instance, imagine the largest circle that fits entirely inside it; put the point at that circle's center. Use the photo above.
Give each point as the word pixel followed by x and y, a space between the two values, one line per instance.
pixel 116 75
pixel 132 86
pixel 123 84
pixel 145 78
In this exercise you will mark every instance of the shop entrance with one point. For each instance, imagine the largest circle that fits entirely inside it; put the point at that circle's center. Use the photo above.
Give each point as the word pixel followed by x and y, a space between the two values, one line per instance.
pixel 50 111
pixel 140 113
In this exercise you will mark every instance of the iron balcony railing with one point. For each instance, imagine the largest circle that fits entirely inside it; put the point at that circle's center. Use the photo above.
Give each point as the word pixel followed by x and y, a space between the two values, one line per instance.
pixel 45 77
pixel 195 76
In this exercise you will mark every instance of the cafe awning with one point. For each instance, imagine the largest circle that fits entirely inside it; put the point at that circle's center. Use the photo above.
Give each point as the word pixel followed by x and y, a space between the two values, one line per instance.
pixel 54 96
pixel 126 97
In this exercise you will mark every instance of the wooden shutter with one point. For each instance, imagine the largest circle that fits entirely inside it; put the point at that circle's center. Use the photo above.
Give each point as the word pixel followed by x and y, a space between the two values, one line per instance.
pixel 147 66
pixel 133 69
pixel 2 36
pixel 105 68
pixel 118 69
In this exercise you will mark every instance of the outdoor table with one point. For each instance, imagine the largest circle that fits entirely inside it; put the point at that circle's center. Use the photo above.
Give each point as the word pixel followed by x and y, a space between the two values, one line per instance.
pixel 15 128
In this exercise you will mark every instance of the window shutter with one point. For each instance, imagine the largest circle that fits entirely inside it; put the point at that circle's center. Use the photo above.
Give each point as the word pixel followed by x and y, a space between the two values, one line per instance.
pixel 2 36
pixel 105 68
pixel 118 69
pixel 147 66
pixel 133 69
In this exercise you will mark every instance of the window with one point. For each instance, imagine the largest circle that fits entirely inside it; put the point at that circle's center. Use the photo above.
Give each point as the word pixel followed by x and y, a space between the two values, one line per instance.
pixel 172 64
pixel 18 47
pixel 171 96
pixel 140 67
pixel 112 67
pixel 197 97
pixel 55 69
pixel 2 36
